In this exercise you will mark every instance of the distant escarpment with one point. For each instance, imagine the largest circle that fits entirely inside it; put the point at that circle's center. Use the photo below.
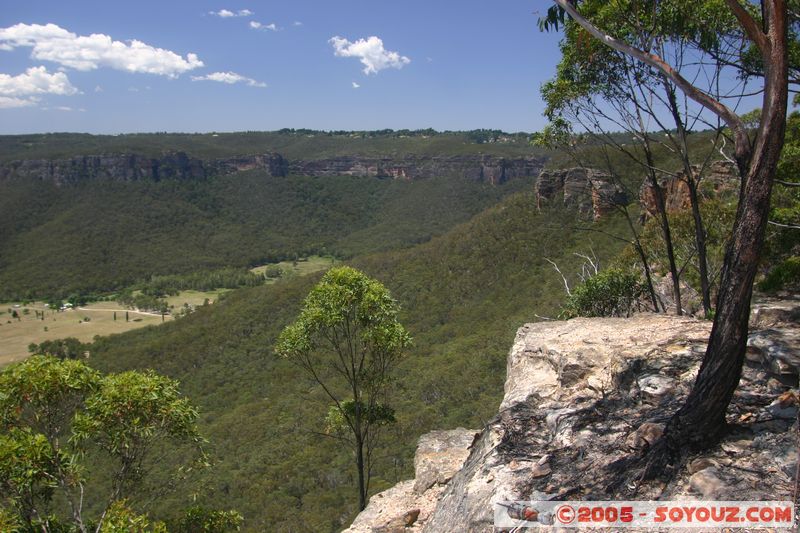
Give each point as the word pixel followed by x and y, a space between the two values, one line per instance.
pixel 590 191
pixel 719 178
pixel 132 167
pixel 490 169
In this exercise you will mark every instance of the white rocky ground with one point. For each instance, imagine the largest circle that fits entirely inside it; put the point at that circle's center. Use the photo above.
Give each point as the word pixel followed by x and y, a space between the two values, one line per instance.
pixel 583 401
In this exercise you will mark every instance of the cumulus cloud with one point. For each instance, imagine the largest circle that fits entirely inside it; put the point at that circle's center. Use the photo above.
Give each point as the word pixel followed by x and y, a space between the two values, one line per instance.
pixel 297 23
pixel 230 78
pixel 24 89
pixel 258 26
pixel 89 52
pixel 227 13
pixel 370 52
pixel 355 85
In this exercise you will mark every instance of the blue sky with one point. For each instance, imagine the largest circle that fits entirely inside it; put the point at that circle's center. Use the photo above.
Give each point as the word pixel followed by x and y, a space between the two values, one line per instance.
pixel 115 67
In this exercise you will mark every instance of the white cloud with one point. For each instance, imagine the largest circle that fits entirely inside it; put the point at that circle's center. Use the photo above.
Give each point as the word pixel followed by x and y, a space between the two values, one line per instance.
pixel 297 23
pixel 88 52
pixel 258 26
pixel 98 89
pixel 370 52
pixel 230 78
pixel 36 80
pixel 355 85
pixel 24 89
pixel 227 13
pixel 7 102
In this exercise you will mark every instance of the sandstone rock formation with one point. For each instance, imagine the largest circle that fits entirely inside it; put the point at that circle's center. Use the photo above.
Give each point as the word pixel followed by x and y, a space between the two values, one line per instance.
pixel 585 399
pixel 440 454
pixel 484 168
pixel 130 167
pixel 588 190
pixel 721 177
pixel 133 167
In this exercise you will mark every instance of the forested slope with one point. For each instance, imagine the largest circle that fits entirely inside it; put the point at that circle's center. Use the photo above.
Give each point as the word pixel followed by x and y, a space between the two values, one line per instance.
pixel 463 296
pixel 99 235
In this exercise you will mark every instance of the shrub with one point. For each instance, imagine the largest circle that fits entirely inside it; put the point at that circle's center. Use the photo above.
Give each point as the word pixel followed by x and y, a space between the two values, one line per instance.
pixel 612 292
pixel 785 274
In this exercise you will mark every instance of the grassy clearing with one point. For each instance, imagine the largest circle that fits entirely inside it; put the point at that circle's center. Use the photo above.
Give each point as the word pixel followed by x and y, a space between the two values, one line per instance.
pixel 194 298
pixel 17 334
pixel 301 267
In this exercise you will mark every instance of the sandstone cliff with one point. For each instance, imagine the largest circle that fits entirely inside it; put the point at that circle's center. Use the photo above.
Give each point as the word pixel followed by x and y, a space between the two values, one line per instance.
pixel 490 169
pixel 590 191
pixel 585 398
pixel 720 178
pixel 130 167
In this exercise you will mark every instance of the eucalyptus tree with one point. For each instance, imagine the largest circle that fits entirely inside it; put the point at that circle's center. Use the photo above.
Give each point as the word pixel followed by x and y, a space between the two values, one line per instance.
pixel 764 34
pixel 348 339
pixel 603 92
pixel 55 415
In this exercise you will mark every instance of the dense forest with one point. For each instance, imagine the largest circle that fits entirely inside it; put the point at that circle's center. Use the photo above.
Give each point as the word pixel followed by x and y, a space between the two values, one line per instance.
pixel 463 294
pixel 103 236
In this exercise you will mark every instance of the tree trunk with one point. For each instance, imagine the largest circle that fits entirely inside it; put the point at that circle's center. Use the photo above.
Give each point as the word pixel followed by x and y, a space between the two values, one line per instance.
pixel 658 192
pixel 700 423
pixel 694 200
pixel 700 239
pixel 362 489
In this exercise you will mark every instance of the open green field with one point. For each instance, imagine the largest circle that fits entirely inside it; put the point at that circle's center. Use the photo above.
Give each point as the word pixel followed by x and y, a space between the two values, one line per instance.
pixel 17 334
pixel 301 267
pixel 194 298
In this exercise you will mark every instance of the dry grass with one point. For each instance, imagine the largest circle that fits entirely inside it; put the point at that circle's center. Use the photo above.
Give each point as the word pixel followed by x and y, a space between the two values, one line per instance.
pixel 17 334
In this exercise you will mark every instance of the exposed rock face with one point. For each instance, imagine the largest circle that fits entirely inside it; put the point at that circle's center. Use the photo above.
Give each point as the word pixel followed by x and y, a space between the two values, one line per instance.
pixel 440 454
pixel 490 169
pixel 132 167
pixel 721 177
pixel 588 190
pixel 585 399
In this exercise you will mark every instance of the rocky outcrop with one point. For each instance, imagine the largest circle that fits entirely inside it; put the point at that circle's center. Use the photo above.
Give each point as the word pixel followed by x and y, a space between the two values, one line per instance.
pixel 720 178
pixel 408 505
pixel 484 168
pixel 132 167
pixel 588 190
pixel 585 399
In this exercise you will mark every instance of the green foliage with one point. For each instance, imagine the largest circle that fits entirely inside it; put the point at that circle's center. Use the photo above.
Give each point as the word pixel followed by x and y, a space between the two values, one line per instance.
pixel 68 348
pixel 349 323
pixel 196 226
pixel 58 416
pixel 199 519
pixel 611 292
pixel 291 143
pixel 130 412
pixel 782 276
pixel 122 519
pixel 209 280
pixel 463 295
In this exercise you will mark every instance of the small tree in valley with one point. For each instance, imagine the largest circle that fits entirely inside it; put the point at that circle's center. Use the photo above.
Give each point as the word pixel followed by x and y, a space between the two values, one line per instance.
pixel 348 339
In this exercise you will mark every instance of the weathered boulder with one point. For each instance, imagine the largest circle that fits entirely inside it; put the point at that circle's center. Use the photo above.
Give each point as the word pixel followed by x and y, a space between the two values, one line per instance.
pixel 439 456
pixel 408 505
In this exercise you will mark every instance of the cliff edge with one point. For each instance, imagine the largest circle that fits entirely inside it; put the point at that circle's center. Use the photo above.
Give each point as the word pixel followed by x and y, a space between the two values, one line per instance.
pixel 585 398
